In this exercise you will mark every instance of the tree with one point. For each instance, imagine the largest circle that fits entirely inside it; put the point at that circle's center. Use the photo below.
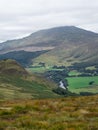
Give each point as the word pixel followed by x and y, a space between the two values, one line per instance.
pixel 42 64
pixel 91 82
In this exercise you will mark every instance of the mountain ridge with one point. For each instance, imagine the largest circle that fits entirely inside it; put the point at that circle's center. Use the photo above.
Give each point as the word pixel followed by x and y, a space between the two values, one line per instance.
pixel 64 32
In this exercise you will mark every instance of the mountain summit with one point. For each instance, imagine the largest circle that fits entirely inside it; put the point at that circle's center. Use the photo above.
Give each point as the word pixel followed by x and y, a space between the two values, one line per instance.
pixel 51 38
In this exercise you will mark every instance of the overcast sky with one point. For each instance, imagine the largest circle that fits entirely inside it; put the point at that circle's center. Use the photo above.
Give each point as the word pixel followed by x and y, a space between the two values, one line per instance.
pixel 19 18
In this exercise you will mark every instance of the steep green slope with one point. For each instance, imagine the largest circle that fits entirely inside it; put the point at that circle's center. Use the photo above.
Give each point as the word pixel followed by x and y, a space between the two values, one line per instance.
pixel 17 83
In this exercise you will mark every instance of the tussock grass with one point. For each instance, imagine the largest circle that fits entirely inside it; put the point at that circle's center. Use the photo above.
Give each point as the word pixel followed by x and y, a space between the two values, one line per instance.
pixel 72 113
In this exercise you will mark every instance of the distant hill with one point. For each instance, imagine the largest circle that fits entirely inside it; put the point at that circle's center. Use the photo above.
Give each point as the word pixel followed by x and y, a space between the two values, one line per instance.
pixel 17 83
pixel 67 45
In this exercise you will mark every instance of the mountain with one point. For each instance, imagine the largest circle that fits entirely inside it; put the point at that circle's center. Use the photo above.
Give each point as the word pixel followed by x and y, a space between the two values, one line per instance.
pixel 66 45
pixel 17 83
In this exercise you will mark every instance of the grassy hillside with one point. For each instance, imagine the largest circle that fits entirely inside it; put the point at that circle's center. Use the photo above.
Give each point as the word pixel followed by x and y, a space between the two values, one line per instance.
pixel 73 113
pixel 17 83
pixel 68 55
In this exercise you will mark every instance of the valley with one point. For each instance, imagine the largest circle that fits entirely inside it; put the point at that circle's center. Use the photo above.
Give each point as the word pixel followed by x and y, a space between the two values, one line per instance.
pixel 49 80
pixel 78 79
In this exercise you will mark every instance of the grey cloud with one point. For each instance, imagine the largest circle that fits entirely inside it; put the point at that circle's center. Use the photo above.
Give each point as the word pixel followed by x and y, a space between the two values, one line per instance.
pixel 22 17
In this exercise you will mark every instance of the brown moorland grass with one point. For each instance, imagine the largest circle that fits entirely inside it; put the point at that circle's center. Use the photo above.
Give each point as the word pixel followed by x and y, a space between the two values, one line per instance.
pixel 71 113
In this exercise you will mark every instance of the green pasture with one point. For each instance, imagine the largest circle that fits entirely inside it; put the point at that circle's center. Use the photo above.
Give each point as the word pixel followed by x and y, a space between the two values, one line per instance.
pixel 91 68
pixel 40 69
pixel 74 73
pixel 37 69
pixel 81 84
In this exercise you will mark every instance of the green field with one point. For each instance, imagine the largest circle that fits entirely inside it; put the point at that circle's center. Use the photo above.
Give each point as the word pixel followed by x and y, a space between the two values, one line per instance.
pixel 74 73
pixel 81 84
pixel 40 69
pixel 37 69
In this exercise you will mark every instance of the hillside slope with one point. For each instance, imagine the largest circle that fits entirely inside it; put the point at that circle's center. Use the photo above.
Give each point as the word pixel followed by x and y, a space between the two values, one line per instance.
pixel 86 53
pixel 23 57
pixel 17 83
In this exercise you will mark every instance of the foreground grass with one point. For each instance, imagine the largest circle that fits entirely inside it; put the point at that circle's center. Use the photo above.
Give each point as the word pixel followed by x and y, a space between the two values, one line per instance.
pixel 73 113
pixel 81 84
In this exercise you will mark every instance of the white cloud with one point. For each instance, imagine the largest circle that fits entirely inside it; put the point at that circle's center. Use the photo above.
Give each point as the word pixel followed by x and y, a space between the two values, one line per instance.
pixel 22 17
